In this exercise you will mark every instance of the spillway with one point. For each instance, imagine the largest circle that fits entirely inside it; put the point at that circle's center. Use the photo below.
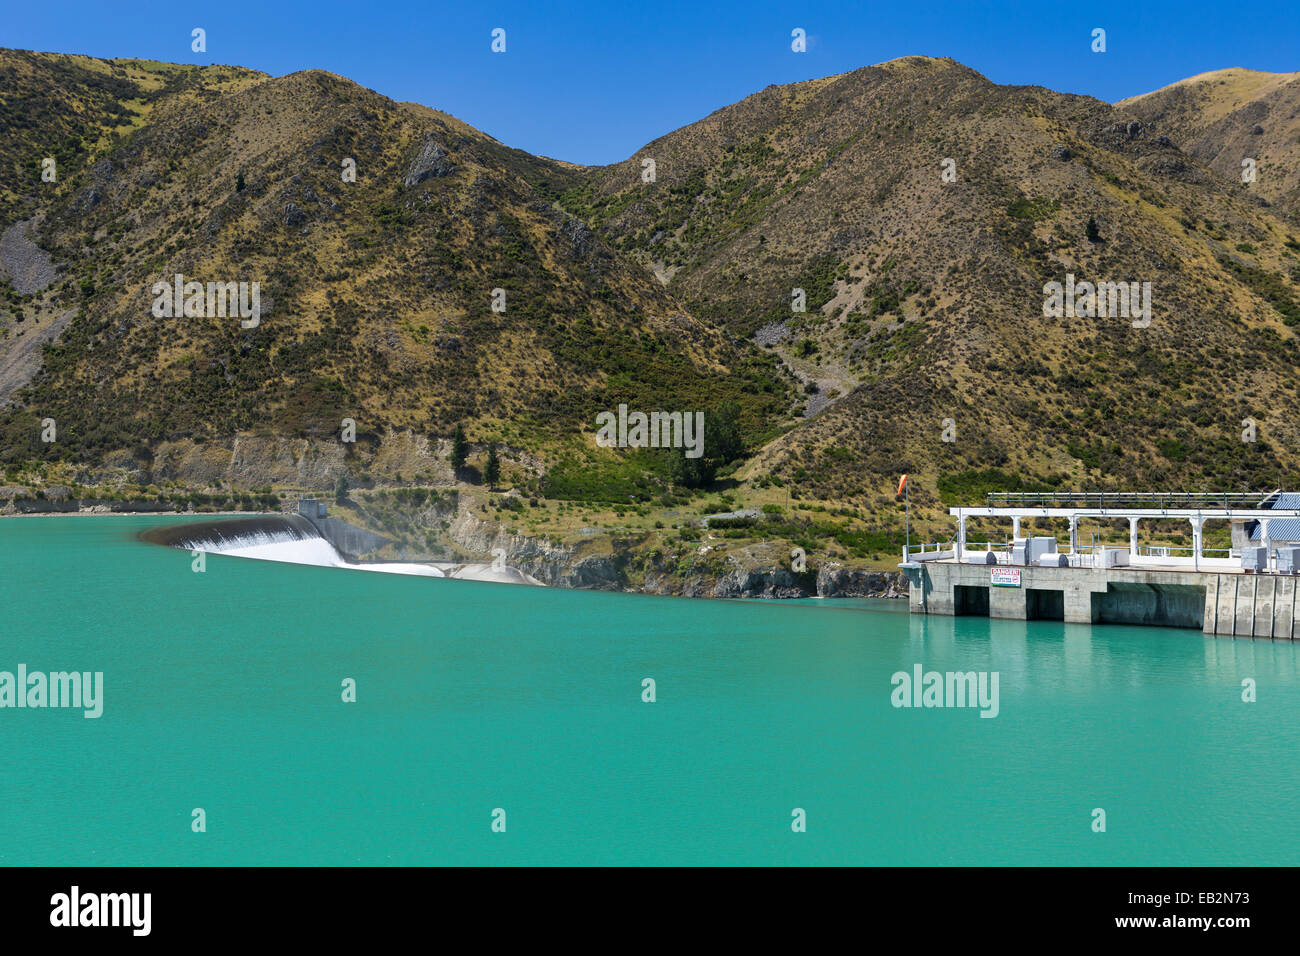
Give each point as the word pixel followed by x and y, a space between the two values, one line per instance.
pixel 291 539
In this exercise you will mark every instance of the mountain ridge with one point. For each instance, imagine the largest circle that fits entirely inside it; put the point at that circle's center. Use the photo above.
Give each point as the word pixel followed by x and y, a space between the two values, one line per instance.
pixel 922 346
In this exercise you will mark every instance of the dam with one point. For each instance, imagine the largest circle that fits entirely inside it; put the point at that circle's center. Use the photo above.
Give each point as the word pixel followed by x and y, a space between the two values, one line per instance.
pixel 1246 590
pixel 308 537
pixel 226 533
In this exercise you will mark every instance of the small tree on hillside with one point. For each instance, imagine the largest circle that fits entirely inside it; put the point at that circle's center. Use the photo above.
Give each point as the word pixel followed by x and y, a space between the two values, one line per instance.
pixel 459 448
pixel 492 470
pixel 341 489
pixel 722 445
pixel 1092 230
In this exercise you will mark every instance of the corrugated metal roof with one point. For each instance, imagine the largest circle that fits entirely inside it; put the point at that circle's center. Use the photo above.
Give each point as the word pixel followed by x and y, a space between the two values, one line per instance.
pixel 1279 529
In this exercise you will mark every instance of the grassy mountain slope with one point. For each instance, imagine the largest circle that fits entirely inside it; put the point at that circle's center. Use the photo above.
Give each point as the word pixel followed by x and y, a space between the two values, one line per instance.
pixel 376 295
pixel 925 298
pixel 72 107
pixel 1225 116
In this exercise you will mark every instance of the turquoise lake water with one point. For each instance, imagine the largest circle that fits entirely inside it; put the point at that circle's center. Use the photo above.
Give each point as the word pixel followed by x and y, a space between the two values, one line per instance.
pixel 222 691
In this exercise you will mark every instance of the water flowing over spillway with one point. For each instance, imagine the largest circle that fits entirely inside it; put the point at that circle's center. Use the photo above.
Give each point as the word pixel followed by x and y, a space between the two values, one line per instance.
pixel 286 538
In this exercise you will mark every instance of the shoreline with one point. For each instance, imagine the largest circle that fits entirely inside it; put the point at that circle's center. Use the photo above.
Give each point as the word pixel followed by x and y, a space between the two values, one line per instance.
pixel 478 570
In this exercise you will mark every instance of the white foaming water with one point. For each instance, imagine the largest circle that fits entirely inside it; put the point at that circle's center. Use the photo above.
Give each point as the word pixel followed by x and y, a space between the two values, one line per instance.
pixel 317 551
pixel 397 567
pixel 307 551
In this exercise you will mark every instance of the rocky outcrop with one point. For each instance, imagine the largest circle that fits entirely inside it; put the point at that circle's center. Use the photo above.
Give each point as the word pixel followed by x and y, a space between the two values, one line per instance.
pixel 27 266
pixel 393 459
pixel 578 238
pixel 564 566
pixel 594 571
pixel 293 215
pixel 752 572
pixel 21 353
pixel 765 583
pixel 430 163
pixel 834 581
pixel 251 461
pixel 773 333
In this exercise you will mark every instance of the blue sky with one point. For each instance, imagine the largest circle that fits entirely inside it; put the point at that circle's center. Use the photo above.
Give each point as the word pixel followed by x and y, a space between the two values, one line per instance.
pixel 591 82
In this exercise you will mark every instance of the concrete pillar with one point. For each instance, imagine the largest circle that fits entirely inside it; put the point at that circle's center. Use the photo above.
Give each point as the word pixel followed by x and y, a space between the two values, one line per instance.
pixel 1074 534
pixel 1132 538
pixel 1015 526
pixel 1265 540
pixel 1196 540
pixel 1078 597
pixel 919 586
pixel 1247 589
pixel 1009 603
pixel 961 536
pixel 1210 617
pixel 1284 608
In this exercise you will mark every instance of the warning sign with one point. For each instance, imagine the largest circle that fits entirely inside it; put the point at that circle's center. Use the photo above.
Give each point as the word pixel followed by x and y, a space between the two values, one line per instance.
pixel 1004 577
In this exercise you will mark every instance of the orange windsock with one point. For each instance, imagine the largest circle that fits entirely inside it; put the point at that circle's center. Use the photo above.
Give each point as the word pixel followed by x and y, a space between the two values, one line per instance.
pixel 902 482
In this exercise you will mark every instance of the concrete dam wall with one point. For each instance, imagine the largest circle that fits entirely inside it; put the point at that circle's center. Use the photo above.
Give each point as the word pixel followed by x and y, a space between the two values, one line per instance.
pixel 1153 605
pixel 1215 602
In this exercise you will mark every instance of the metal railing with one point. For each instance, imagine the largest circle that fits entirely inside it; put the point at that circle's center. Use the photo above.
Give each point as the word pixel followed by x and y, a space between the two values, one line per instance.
pixel 929 547
pixel 1083 556
pixel 1127 499
pixel 1169 551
